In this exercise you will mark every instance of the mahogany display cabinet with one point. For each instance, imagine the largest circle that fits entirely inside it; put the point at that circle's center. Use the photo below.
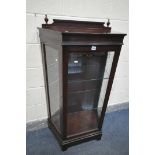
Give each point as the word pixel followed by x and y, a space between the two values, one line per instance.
pixel 79 63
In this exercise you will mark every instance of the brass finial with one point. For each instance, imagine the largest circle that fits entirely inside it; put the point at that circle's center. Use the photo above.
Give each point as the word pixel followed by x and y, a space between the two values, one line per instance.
pixel 108 23
pixel 46 19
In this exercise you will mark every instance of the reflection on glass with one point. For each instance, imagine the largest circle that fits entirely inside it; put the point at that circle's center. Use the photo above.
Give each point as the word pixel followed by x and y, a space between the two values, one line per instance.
pixel 88 75
pixel 105 81
pixel 53 60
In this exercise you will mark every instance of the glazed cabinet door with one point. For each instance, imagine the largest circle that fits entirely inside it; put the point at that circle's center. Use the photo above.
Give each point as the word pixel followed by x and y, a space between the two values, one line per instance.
pixel 87 79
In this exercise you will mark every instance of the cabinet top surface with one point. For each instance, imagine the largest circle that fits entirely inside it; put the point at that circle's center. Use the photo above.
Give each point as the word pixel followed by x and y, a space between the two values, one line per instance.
pixel 79 27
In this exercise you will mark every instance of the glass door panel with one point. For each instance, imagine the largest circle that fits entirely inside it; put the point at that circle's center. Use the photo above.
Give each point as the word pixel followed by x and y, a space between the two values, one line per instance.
pixel 54 62
pixel 88 75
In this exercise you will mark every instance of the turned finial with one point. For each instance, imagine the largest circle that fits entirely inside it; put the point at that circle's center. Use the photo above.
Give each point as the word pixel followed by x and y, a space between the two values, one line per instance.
pixel 108 23
pixel 46 19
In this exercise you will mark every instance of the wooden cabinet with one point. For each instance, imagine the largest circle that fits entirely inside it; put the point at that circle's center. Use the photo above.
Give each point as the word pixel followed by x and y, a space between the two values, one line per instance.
pixel 79 61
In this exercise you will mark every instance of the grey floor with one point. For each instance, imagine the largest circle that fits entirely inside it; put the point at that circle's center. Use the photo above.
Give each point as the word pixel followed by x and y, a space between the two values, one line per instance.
pixel 115 139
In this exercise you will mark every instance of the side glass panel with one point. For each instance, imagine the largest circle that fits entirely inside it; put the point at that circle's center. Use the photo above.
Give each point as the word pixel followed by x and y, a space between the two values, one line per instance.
pixel 54 71
pixel 88 75
pixel 104 84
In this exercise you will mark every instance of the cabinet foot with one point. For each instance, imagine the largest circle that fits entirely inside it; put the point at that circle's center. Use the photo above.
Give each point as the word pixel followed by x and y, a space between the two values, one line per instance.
pixel 98 138
pixel 64 148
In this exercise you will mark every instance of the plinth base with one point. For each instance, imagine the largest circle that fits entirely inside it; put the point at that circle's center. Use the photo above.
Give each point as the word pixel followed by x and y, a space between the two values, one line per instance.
pixel 64 144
